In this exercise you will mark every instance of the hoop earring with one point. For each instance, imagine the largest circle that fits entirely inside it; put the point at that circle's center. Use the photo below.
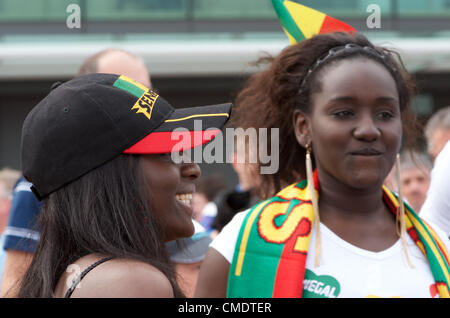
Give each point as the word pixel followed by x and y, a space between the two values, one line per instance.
pixel 312 191
pixel 400 222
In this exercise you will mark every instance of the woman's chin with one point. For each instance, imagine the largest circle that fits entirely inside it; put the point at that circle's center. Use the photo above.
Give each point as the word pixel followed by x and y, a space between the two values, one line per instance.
pixel 183 232
pixel 366 180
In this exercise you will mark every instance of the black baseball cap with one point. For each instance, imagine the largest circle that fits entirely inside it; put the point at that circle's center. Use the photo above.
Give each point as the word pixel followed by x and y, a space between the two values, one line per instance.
pixel 93 118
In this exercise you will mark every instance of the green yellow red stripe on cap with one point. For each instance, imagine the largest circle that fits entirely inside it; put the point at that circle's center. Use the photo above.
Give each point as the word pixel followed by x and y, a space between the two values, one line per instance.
pixel 146 97
pixel 131 86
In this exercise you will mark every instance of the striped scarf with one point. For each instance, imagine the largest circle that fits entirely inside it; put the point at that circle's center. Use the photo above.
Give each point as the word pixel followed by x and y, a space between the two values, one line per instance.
pixel 272 246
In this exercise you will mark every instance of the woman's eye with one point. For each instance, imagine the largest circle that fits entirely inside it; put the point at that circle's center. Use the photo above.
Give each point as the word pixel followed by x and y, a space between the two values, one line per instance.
pixel 166 157
pixel 385 115
pixel 180 157
pixel 343 114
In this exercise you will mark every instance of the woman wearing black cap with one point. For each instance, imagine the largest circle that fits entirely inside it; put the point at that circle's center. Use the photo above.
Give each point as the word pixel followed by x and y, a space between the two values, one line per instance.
pixel 341 105
pixel 98 150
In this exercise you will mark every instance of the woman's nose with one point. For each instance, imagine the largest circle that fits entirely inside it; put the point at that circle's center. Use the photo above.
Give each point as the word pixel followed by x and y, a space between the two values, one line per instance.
pixel 366 129
pixel 190 171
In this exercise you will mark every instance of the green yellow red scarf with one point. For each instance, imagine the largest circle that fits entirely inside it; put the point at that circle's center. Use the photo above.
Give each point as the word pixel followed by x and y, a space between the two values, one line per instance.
pixel 272 246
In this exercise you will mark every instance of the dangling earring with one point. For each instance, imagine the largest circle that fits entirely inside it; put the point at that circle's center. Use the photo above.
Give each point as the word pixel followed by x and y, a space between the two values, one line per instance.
pixel 400 222
pixel 309 177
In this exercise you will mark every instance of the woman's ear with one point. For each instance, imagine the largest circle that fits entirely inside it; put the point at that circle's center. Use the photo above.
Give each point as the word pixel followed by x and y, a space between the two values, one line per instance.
pixel 301 127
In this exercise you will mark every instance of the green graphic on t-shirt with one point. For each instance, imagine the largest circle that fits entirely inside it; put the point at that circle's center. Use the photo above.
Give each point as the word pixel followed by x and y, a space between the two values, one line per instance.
pixel 322 286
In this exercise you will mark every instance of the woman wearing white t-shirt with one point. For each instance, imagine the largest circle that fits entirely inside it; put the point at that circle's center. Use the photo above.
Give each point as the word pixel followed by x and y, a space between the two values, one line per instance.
pixel 344 102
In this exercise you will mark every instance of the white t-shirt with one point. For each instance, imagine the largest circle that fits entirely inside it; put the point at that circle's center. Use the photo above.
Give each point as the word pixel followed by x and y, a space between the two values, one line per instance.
pixel 436 207
pixel 349 271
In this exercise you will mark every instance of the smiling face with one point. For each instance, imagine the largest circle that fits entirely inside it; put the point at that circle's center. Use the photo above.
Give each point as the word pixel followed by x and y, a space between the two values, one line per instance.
pixel 354 125
pixel 171 187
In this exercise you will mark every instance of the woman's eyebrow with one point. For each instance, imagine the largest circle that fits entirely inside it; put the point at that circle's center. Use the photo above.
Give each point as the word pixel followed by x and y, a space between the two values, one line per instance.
pixel 387 99
pixel 343 98
pixel 346 98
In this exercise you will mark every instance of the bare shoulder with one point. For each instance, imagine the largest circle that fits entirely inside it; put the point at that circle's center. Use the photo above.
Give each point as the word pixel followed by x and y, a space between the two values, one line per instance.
pixel 138 279
pixel 124 278
pixel 213 277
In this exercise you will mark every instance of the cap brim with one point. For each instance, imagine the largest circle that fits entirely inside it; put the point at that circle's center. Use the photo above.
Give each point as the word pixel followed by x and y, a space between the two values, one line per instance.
pixel 186 128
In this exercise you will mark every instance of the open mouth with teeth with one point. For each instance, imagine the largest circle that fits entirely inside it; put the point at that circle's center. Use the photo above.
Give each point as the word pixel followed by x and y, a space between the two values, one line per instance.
pixel 185 198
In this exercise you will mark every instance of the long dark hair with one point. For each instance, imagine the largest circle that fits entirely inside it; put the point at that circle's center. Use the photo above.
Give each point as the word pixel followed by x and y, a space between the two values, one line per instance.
pixel 104 212
pixel 270 97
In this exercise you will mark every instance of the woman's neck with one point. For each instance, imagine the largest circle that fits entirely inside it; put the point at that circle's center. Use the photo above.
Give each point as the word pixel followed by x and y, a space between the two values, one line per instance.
pixel 348 202
pixel 358 216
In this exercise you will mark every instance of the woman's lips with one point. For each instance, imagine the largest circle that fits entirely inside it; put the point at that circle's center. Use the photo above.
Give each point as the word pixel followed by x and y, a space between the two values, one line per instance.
pixel 185 198
pixel 367 152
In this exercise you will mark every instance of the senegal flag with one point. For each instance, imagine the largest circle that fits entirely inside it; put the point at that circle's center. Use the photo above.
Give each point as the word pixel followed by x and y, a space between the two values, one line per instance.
pixel 300 22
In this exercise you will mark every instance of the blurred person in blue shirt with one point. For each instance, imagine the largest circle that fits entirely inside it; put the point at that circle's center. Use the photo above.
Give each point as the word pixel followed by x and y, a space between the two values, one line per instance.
pixel 8 178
